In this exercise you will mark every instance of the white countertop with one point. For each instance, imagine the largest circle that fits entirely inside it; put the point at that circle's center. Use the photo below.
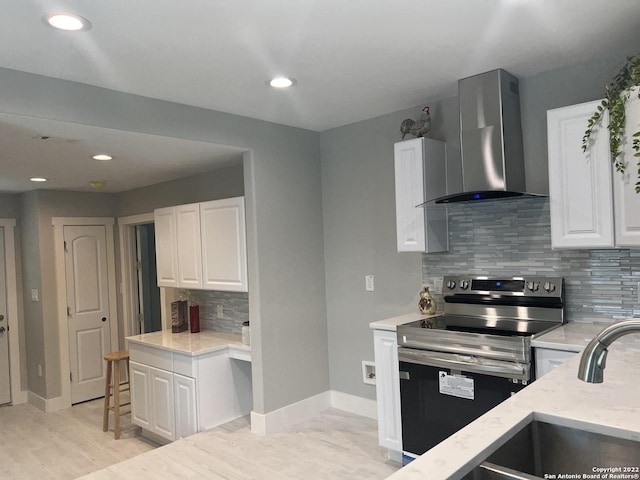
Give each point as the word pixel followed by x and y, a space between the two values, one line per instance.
pixel 610 408
pixel 574 336
pixel 392 323
pixel 205 341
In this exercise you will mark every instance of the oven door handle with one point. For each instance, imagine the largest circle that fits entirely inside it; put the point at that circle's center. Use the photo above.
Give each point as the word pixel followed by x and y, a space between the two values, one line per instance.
pixel 465 363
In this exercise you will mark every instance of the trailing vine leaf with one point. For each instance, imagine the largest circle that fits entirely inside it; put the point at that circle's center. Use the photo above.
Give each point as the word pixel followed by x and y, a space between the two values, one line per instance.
pixel 616 95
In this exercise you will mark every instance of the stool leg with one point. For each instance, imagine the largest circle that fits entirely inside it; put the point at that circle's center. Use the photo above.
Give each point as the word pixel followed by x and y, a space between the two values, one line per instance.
pixel 116 400
pixel 107 394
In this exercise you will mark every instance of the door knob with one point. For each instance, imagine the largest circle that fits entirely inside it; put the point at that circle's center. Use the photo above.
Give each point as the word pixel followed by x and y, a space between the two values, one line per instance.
pixel 2 329
pixel 1 317
pixel 104 319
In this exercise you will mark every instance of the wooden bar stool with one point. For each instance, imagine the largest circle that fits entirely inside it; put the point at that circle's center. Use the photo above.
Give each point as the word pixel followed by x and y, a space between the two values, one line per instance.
pixel 113 384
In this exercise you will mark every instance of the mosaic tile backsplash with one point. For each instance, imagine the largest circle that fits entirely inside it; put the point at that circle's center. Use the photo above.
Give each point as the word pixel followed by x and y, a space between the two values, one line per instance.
pixel 513 237
pixel 235 307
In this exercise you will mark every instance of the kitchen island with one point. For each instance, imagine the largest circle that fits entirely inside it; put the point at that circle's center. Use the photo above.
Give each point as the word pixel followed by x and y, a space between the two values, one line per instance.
pixel 610 408
pixel 184 383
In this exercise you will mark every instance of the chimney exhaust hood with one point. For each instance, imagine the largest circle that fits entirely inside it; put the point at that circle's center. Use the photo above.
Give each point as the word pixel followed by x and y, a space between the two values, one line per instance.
pixel 492 162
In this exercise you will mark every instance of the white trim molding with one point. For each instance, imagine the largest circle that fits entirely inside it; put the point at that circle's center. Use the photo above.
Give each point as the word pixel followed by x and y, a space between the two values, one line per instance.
pixel 128 279
pixel 47 404
pixel 283 418
pixel 17 394
pixel 61 288
pixel 354 404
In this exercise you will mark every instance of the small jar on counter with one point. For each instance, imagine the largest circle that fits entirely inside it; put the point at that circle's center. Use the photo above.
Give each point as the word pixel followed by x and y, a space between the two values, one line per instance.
pixel 246 333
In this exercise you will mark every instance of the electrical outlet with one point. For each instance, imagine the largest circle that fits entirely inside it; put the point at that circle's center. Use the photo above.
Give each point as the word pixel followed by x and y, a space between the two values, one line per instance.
pixel 34 294
pixel 368 283
pixel 437 284
pixel 219 311
pixel 39 370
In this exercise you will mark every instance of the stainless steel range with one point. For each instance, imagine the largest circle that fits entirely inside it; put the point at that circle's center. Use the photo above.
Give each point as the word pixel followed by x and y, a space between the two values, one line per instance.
pixel 457 366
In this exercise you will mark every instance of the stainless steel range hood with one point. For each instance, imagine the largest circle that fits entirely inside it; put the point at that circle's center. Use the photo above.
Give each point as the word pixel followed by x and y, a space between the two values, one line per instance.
pixel 492 163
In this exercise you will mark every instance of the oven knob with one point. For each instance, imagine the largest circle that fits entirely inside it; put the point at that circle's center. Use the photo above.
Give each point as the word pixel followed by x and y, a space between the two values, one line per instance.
pixel 533 286
pixel 464 284
pixel 549 287
pixel 451 284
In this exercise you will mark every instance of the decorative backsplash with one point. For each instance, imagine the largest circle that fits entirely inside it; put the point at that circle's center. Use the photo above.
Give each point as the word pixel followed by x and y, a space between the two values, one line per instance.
pixel 513 237
pixel 235 310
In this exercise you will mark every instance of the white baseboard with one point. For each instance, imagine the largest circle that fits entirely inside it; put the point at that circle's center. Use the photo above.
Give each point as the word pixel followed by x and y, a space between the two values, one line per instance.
pixel 354 404
pixel 47 404
pixel 279 420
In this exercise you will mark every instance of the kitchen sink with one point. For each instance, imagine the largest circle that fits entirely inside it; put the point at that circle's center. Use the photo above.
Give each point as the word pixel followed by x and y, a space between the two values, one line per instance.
pixel 544 450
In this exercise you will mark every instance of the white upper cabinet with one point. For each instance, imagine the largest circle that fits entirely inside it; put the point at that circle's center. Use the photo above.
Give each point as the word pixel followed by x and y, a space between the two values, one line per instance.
pixel 189 246
pixel 202 246
pixel 580 189
pixel 420 175
pixel 626 200
pixel 592 206
pixel 166 247
pixel 224 253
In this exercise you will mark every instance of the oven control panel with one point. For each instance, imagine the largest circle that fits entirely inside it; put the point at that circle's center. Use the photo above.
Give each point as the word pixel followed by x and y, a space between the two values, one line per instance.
pixel 528 286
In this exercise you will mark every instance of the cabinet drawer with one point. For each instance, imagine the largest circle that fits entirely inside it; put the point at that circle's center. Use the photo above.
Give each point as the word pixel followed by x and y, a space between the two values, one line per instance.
pixel 184 365
pixel 153 356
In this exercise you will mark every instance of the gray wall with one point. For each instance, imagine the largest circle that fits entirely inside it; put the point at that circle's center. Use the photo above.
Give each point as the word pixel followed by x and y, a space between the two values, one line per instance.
pixel 219 183
pixel 9 205
pixel 284 218
pixel 359 216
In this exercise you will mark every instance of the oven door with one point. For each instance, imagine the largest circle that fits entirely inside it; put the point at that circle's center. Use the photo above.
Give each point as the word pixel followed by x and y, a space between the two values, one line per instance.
pixel 442 393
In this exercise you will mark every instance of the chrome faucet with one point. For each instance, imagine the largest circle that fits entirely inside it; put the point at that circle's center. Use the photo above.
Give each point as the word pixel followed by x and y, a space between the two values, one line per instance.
pixel 594 356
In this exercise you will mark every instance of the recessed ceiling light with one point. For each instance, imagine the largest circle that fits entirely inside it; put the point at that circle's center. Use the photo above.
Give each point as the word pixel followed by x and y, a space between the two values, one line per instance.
pixel 282 82
pixel 38 179
pixel 67 21
pixel 102 156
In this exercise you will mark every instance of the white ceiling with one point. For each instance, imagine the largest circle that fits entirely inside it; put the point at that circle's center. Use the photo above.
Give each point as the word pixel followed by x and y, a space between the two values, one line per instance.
pixel 352 59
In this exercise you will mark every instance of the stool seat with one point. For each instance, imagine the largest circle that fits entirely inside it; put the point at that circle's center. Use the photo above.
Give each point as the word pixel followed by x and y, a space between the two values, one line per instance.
pixel 113 388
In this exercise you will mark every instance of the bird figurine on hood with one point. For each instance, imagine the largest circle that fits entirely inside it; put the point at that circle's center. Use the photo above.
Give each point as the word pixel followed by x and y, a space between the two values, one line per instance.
pixel 418 127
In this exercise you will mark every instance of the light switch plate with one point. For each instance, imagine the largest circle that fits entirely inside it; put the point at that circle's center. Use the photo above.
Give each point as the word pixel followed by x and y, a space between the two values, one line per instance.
pixel 34 295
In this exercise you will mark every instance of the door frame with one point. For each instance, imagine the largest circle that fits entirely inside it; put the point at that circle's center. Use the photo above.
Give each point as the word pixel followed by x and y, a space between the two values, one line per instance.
pixel 17 394
pixel 127 237
pixel 61 287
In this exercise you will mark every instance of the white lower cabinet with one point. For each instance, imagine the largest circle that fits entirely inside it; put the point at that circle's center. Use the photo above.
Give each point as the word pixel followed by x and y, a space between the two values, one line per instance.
pixel 388 392
pixel 175 395
pixel 547 359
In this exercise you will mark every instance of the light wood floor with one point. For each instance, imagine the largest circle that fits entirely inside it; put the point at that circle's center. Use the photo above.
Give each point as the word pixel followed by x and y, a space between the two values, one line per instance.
pixel 70 443
pixel 62 445
pixel 334 445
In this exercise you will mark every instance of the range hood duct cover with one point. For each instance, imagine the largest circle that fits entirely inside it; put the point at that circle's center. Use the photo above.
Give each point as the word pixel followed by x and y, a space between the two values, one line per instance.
pixel 492 160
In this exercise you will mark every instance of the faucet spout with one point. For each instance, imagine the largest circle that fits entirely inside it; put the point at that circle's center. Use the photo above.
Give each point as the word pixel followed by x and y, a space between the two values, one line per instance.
pixel 594 356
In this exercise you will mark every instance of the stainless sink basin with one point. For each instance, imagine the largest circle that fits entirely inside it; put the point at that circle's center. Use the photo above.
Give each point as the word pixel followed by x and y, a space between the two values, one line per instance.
pixel 542 448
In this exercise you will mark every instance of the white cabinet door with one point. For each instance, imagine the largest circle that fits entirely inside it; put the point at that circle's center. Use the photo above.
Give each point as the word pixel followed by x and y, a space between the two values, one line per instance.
pixel 166 247
pixel 420 175
pixel 189 249
pixel 548 359
pixel 185 405
pixel 140 395
pixel 627 201
pixel 224 251
pixel 580 185
pixel 388 390
pixel 162 406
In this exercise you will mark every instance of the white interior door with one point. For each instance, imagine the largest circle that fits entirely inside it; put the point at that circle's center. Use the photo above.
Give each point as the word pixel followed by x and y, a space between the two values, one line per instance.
pixel 5 384
pixel 88 309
